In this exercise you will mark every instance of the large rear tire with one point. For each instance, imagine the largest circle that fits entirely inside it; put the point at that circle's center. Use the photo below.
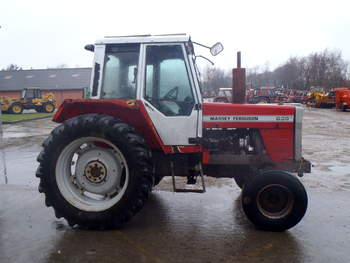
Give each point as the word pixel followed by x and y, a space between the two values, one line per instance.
pixel 95 171
pixel 274 201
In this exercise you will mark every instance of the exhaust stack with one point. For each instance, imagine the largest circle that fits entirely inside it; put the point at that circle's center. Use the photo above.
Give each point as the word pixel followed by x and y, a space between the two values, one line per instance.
pixel 238 82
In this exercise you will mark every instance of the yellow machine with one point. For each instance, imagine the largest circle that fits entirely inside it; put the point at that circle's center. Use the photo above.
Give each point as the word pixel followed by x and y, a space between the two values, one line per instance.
pixel 326 100
pixel 31 99
pixel 318 98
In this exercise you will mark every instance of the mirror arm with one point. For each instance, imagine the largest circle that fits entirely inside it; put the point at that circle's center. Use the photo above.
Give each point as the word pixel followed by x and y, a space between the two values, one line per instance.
pixel 199 44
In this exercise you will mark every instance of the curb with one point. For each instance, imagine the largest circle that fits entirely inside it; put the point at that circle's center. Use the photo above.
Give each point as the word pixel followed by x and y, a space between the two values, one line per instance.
pixel 38 118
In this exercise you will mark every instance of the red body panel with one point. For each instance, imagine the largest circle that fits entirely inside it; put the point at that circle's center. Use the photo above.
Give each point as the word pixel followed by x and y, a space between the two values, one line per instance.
pixel 342 98
pixel 278 136
pixel 132 112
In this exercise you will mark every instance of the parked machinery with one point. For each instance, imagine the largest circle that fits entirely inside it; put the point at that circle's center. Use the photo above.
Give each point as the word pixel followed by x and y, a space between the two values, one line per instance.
pixel 326 100
pixel 264 95
pixel 31 98
pixel 224 95
pixel 296 96
pixel 146 120
pixel 321 99
pixel 342 98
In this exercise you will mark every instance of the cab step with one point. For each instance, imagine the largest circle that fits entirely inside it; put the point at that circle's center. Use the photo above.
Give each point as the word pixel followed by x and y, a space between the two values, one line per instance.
pixel 191 181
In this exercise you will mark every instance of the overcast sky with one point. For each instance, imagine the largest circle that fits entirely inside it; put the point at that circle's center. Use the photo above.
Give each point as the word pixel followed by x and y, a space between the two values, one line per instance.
pixel 42 34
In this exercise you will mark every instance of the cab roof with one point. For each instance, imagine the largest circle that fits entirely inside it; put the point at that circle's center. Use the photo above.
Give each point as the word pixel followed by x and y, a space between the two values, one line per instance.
pixel 143 39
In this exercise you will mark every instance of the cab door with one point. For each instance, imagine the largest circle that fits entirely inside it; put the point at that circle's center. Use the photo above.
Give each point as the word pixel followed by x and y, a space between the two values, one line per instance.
pixel 169 94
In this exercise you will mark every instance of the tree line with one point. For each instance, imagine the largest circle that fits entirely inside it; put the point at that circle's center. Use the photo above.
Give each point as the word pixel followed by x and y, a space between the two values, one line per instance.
pixel 326 68
pixel 15 67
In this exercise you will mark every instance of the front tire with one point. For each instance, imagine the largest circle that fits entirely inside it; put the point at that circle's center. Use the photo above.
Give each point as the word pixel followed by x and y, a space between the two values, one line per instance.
pixel 274 201
pixel 240 180
pixel 95 171
pixel 16 108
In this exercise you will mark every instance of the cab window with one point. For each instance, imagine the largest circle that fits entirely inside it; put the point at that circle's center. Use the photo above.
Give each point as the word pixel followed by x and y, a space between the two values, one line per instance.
pixel 29 93
pixel 167 85
pixel 120 71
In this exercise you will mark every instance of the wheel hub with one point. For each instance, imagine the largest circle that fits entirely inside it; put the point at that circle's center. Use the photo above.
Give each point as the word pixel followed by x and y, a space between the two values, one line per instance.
pixel 95 172
pixel 98 171
pixel 275 201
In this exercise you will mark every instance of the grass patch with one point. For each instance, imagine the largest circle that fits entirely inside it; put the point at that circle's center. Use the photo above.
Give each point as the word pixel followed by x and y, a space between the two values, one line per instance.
pixel 23 116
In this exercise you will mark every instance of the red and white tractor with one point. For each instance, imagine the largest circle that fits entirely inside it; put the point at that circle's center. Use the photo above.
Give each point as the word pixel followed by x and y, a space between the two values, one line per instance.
pixel 145 119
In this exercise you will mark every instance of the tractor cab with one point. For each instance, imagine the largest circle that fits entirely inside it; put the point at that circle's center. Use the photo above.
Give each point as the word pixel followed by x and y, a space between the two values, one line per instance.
pixel 29 94
pixel 160 71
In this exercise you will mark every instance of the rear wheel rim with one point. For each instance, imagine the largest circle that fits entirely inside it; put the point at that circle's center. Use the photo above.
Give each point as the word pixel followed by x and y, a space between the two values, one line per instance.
pixel 275 201
pixel 92 174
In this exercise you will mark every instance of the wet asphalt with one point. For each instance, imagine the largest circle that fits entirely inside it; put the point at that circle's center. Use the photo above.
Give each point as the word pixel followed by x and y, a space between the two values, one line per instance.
pixel 181 227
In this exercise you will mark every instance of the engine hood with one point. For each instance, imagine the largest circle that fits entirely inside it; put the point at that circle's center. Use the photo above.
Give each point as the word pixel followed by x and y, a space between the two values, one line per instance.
pixel 227 115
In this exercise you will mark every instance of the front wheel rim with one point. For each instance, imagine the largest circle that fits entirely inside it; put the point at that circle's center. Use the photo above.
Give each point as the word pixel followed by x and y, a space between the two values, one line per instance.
pixel 49 108
pixel 275 201
pixel 92 174
pixel 17 109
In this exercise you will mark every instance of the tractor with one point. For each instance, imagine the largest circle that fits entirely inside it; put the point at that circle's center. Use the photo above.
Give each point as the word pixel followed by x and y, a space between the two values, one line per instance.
pixel 265 95
pixel 145 119
pixel 224 95
pixel 31 98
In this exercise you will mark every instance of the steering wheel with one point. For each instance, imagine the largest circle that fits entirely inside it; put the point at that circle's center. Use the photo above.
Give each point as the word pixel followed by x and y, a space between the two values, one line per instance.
pixel 172 94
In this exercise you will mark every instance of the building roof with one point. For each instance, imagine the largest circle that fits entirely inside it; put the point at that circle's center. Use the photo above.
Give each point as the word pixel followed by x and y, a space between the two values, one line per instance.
pixel 46 79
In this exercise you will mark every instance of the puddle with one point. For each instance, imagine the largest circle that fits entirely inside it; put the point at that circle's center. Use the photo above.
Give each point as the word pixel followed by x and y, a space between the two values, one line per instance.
pixel 339 168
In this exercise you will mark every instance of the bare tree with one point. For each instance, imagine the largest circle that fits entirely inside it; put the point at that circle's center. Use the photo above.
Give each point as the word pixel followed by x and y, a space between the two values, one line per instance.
pixel 326 68
pixel 215 78
pixel 12 67
pixel 61 65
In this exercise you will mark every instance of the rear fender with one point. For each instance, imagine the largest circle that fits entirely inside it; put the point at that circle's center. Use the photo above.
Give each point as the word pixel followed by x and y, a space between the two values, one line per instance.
pixel 131 112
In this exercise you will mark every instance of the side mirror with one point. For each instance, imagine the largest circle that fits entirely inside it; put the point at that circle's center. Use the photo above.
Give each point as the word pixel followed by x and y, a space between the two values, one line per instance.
pixel 90 48
pixel 216 49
